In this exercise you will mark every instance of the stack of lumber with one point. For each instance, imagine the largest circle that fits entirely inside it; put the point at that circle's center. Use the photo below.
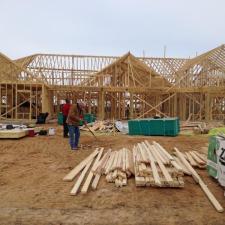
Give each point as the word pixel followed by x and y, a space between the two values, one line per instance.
pixel 151 165
pixel 199 181
pixel 196 159
pixel 154 166
pixel 119 167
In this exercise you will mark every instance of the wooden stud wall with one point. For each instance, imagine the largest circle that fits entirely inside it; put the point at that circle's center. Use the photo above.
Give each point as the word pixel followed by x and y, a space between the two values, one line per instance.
pixel 166 86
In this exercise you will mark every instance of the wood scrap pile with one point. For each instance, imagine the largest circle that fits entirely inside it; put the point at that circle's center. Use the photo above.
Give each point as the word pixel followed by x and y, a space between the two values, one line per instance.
pixel 102 126
pixel 154 166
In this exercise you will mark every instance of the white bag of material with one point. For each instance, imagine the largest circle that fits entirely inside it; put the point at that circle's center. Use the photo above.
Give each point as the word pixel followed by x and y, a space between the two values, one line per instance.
pixel 221 162
pixel 51 131
pixel 122 126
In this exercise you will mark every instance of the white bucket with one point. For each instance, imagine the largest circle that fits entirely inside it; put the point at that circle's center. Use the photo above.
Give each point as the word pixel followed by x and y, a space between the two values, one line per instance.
pixel 51 131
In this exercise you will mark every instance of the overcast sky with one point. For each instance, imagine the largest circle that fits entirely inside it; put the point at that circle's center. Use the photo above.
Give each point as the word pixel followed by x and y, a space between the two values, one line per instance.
pixel 111 27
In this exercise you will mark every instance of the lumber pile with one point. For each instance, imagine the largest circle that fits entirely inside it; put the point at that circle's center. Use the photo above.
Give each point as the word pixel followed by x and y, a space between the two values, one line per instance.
pixel 149 163
pixel 196 159
pixel 119 167
pixel 154 166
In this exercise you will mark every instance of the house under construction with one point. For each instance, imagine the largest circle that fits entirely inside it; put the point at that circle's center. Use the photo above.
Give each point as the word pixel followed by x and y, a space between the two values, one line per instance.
pixel 166 86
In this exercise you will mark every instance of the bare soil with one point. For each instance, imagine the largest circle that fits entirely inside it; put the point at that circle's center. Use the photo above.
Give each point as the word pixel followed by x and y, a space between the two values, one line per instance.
pixel 32 190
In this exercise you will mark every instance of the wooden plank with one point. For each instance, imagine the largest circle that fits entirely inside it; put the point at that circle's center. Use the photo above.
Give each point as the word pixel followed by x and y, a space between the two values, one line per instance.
pixel 201 156
pixel 210 196
pixel 115 161
pixel 73 173
pixel 139 181
pixel 144 156
pixel 110 163
pixel 176 166
pixel 162 156
pixel 198 179
pixel 105 162
pixel 131 162
pixel 185 170
pixel 190 159
pixel 153 166
pixel 196 158
pixel 80 179
pixel 187 165
pixel 125 162
pixel 156 152
pixel 91 174
pixel 166 174
pixel 163 150
pixel 102 163
pixel 95 181
pixel 120 160
pixel 139 158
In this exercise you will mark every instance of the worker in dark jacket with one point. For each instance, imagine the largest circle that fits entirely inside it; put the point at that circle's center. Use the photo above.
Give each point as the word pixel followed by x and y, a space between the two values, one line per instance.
pixel 73 121
pixel 65 112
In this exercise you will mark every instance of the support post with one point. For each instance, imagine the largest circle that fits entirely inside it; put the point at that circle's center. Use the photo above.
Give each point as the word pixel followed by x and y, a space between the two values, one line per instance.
pixel 131 106
pixel 101 105
pixel 46 101
pixel 208 109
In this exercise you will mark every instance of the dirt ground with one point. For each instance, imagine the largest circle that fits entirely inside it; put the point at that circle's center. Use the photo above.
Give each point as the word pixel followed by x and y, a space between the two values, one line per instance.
pixel 32 190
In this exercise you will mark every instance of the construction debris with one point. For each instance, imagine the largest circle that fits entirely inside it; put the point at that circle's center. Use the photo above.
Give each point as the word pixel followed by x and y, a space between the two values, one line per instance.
pixel 101 126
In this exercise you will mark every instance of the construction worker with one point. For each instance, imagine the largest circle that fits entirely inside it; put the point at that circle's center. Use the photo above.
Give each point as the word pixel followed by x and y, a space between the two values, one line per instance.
pixel 127 112
pixel 65 111
pixel 73 121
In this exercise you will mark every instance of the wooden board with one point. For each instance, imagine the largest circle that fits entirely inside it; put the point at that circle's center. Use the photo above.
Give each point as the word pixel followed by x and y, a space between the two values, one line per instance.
pixel 198 179
pixel 163 151
pixel 73 173
pixel 80 179
pixel 197 158
pixel 110 162
pixel 153 167
pixel 13 134
pixel 162 166
pixel 202 156
pixel 95 181
pixel 91 174
pixel 190 159
pixel 185 170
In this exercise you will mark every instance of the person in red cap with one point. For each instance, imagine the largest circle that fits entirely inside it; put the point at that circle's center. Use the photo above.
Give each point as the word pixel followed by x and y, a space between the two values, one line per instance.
pixel 65 112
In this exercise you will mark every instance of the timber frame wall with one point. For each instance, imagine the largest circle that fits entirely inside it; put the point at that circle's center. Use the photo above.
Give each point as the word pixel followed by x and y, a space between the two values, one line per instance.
pixel 166 86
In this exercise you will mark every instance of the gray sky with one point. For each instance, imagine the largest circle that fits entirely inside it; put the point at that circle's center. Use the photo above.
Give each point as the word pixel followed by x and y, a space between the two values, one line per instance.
pixel 111 27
